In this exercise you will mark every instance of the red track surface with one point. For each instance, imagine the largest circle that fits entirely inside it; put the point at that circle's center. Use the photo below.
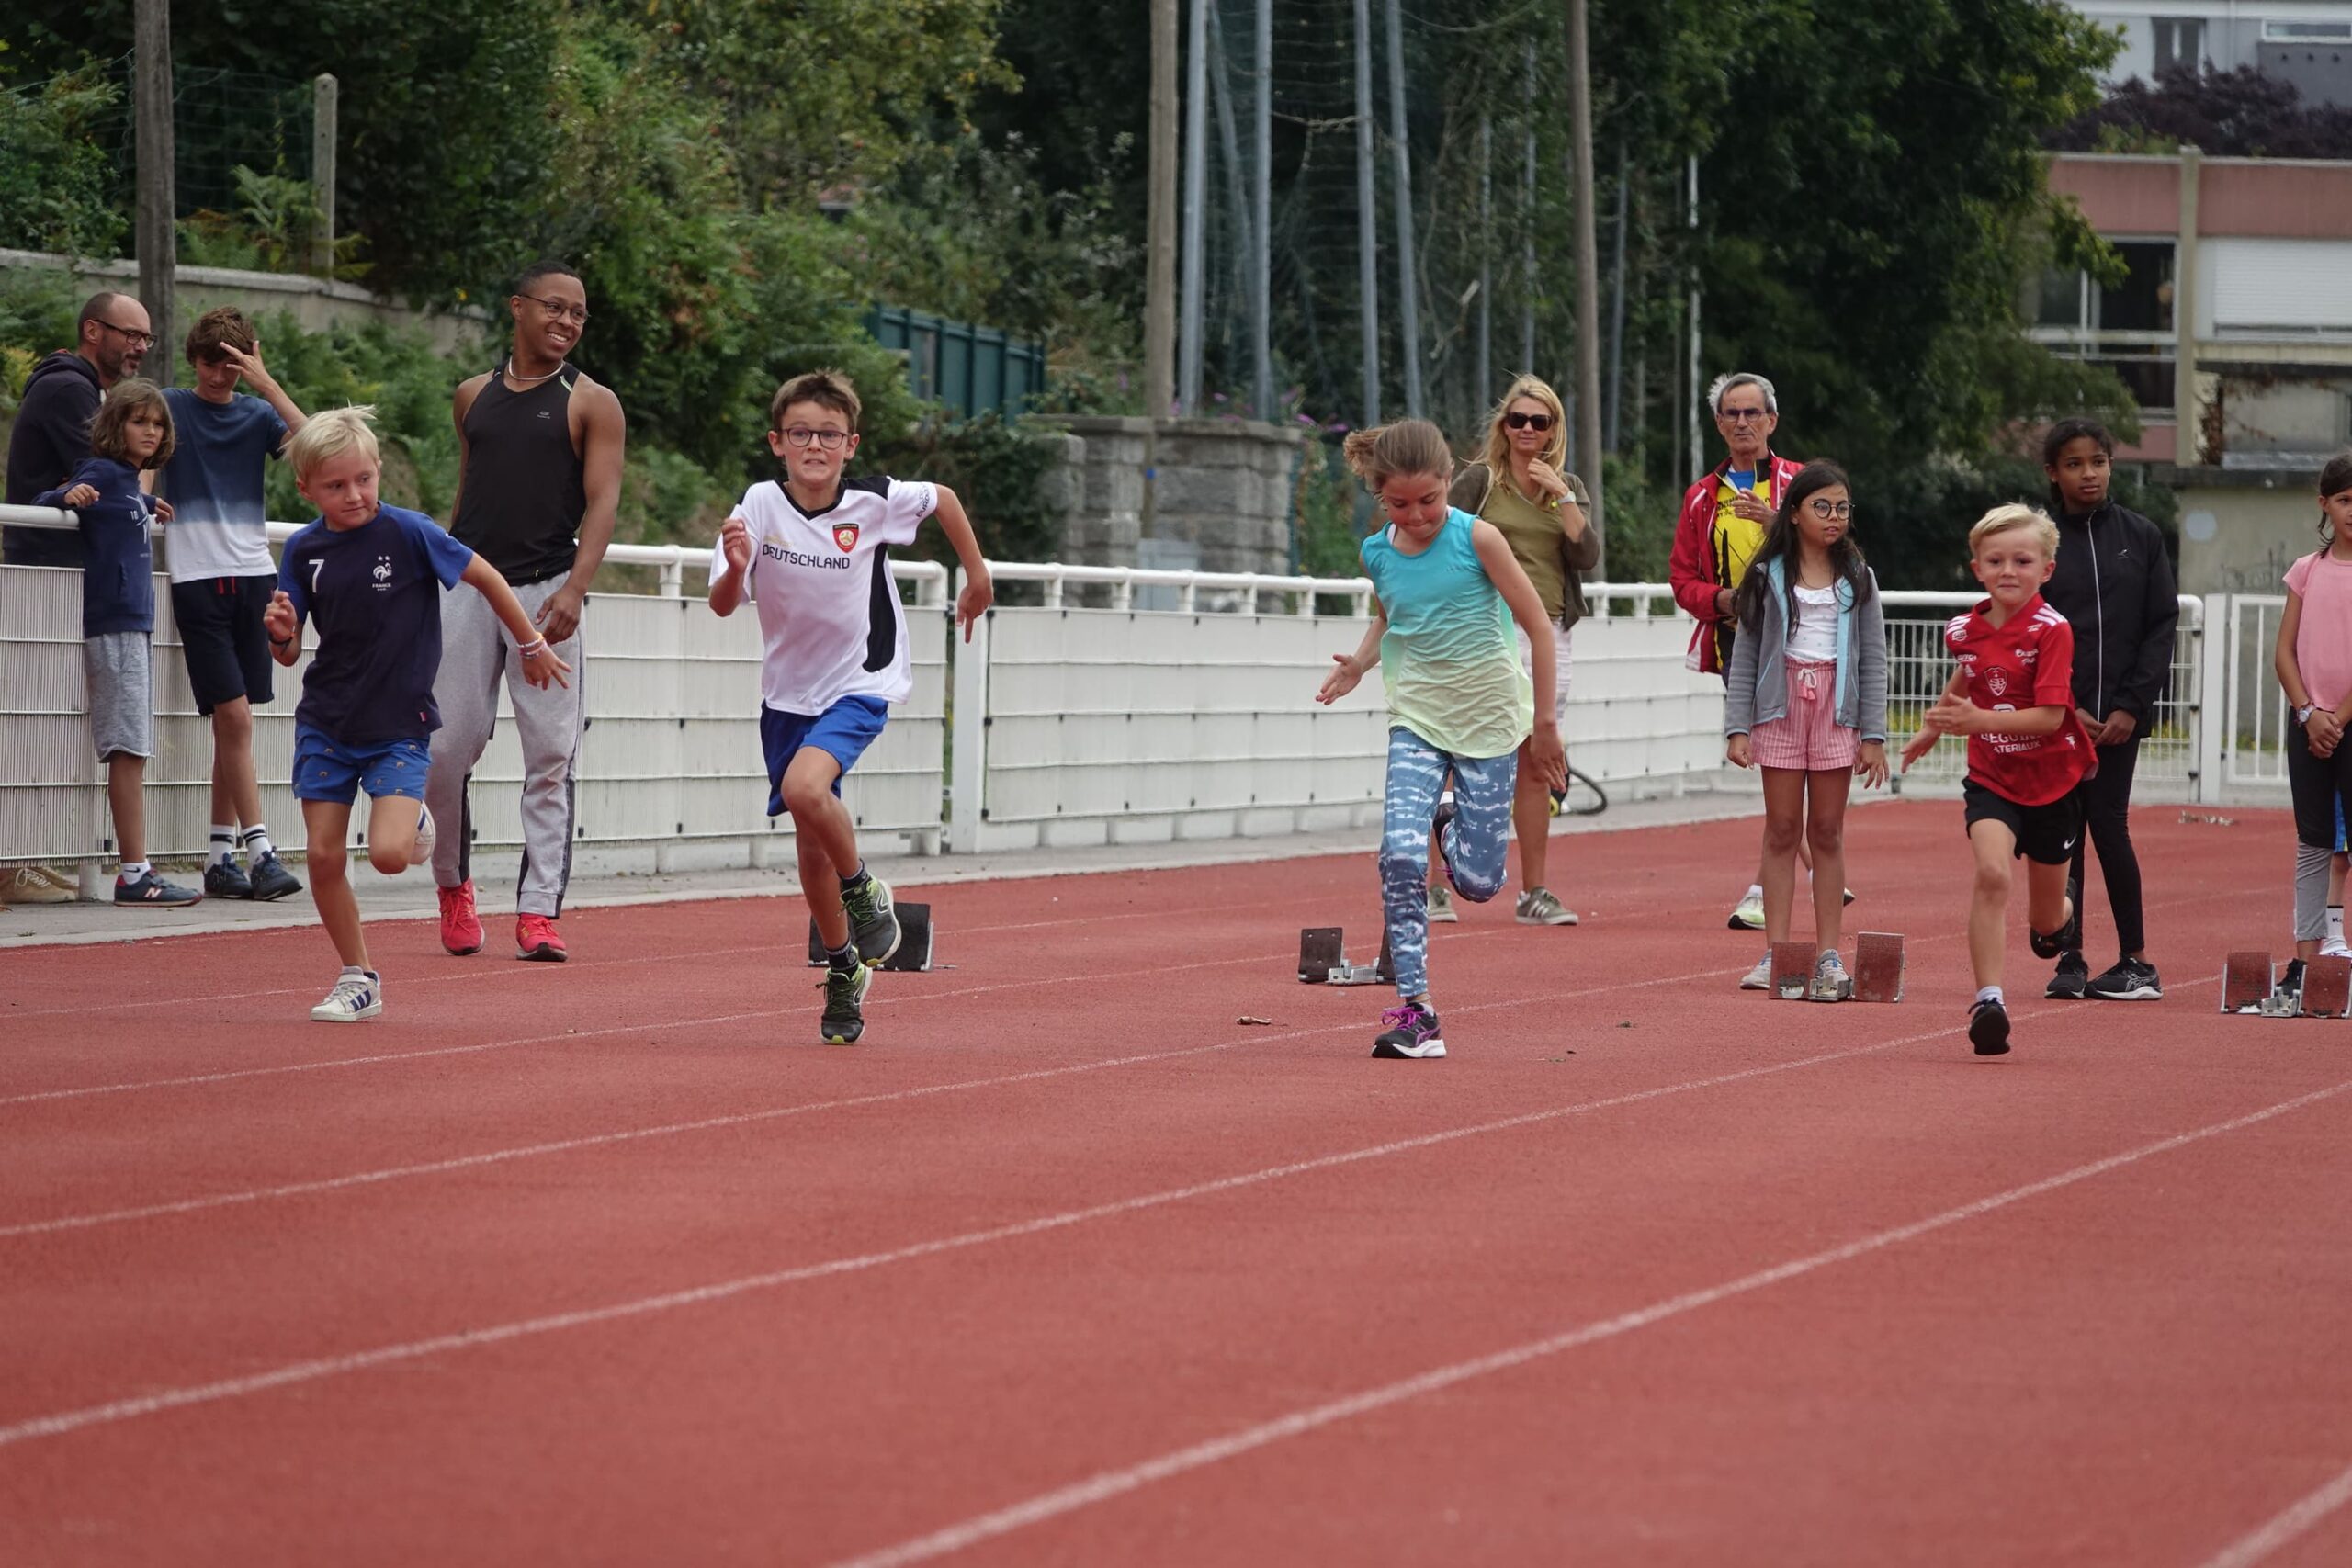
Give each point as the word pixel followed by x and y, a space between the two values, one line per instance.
pixel 607 1263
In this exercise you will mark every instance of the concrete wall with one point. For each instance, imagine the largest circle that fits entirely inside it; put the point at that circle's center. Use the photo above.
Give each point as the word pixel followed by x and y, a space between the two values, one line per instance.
pixel 1223 488
pixel 316 302
pixel 2239 532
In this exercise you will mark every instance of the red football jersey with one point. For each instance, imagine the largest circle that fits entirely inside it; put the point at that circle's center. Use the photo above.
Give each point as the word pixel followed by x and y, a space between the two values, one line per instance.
pixel 2027 662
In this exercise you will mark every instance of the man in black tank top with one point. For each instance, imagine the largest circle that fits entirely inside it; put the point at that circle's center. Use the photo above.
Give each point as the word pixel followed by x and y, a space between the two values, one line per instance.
pixel 539 472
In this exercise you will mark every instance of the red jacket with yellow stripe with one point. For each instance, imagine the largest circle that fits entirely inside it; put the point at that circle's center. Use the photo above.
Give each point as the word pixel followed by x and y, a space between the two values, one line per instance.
pixel 1697 571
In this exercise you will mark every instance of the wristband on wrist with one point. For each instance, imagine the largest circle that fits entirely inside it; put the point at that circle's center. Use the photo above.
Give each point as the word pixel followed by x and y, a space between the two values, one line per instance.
pixel 534 649
pixel 281 642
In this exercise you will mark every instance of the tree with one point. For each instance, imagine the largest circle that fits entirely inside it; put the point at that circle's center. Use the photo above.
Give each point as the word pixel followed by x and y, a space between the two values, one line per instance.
pixel 2244 113
pixel 56 179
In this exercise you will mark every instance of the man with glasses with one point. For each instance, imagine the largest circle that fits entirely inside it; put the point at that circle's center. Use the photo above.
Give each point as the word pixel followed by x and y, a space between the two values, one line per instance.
pixel 1724 514
pixel 539 450
pixel 53 431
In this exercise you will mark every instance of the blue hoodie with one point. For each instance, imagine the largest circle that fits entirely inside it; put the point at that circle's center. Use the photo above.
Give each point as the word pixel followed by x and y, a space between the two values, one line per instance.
pixel 119 578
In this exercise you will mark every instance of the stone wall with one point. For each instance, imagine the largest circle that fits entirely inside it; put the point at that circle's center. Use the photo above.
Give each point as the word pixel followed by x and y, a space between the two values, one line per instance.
pixel 1222 486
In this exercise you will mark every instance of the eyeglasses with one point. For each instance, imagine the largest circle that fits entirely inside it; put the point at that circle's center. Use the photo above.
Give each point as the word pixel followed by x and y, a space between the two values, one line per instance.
pixel 828 440
pixel 1831 511
pixel 131 335
pixel 558 310
pixel 1741 416
pixel 1539 423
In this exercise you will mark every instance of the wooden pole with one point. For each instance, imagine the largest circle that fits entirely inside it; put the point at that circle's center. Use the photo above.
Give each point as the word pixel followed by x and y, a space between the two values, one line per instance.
pixel 325 93
pixel 1588 414
pixel 157 230
pixel 1159 258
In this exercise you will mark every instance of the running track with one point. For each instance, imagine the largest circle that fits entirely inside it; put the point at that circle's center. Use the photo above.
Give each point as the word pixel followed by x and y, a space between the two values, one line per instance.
pixel 607 1263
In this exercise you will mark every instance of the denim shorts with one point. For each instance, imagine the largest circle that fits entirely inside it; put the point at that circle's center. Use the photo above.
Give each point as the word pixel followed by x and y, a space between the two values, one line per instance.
pixel 326 769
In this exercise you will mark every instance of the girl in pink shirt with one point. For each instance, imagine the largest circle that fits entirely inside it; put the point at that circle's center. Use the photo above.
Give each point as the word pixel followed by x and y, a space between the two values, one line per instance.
pixel 2314 664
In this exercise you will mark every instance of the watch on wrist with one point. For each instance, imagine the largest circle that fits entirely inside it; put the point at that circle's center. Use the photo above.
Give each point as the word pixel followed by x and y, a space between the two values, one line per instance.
pixel 2303 714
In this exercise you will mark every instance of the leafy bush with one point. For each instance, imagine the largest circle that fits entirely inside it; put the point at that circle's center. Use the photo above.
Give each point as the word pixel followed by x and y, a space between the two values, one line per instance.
pixel 55 175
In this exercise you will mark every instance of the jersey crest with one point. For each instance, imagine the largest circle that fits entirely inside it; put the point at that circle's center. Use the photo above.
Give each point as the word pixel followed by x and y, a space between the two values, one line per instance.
pixel 845 537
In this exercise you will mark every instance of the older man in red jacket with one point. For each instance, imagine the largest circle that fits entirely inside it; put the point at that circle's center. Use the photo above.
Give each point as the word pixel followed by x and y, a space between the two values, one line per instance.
pixel 1722 528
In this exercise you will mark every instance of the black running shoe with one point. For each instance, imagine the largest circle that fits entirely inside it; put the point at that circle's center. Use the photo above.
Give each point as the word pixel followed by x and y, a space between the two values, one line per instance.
pixel 2134 980
pixel 223 880
pixel 2067 937
pixel 873 923
pixel 1988 1027
pixel 1412 1032
pixel 844 991
pixel 271 879
pixel 2074 974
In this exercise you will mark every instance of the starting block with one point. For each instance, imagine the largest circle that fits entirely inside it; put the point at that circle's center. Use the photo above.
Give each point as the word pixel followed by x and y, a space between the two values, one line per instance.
pixel 2247 980
pixel 1878 967
pixel 2327 987
pixel 1323 960
pixel 1792 970
pixel 914 940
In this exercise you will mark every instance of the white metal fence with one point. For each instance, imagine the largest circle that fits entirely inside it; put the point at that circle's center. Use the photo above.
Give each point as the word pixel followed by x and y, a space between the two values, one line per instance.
pixel 1094 705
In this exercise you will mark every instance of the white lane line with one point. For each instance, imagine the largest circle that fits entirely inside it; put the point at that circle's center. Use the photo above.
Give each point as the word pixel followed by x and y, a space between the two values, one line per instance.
pixel 337 1366
pixel 746 1118
pixel 1109 1483
pixel 2252 1549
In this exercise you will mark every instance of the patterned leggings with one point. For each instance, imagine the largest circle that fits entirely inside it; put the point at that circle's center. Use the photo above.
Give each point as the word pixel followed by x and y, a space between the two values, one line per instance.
pixel 1475 845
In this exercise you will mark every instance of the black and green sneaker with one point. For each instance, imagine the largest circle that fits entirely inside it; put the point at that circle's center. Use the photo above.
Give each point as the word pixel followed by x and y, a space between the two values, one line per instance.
pixel 872 923
pixel 844 991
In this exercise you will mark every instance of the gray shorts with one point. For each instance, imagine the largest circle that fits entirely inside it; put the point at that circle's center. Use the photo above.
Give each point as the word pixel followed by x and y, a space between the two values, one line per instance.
pixel 118 671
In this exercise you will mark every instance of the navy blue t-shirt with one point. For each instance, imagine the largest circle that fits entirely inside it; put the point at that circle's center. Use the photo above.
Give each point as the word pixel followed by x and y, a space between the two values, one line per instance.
pixel 214 483
pixel 118 570
pixel 375 593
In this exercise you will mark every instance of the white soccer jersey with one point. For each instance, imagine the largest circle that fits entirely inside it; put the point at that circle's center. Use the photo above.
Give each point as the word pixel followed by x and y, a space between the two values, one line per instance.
pixel 829 612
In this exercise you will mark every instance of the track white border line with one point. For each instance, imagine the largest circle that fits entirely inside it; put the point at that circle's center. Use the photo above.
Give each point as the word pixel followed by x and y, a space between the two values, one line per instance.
pixel 335 1366
pixel 746 1118
pixel 2286 1527
pixel 1109 1483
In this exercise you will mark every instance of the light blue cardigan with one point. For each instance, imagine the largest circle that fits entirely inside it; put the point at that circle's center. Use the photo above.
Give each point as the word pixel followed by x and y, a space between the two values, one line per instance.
pixel 1756 688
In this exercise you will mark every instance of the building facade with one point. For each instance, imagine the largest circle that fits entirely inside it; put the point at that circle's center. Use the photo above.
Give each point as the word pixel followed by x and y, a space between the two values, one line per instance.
pixel 2306 42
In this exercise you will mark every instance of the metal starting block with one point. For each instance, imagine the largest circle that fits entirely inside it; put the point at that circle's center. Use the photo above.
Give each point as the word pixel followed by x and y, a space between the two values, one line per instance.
pixel 914 940
pixel 2247 981
pixel 1878 967
pixel 1792 970
pixel 1323 960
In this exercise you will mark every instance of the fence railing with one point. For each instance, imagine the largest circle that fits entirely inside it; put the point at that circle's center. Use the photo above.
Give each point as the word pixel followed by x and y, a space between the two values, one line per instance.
pixel 1095 703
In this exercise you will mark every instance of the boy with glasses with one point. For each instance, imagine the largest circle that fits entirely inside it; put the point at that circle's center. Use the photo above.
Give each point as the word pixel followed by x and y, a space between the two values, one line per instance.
pixel 540 475
pixel 222 578
pixel 811 553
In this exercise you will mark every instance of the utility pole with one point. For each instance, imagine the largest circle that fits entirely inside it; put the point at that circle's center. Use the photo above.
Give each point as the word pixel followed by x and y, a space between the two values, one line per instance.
pixel 1698 391
pixel 1409 307
pixel 325 96
pixel 1367 220
pixel 1485 260
pixel 158 233
pixel 1617 309
pixel 1160 257
pixel 1196 92
pixel 1527 226
pixel 1588 414
pixel 1262 274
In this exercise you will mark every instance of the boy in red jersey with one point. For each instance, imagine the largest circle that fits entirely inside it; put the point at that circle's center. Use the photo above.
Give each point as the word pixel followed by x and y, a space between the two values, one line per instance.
pixel 2012 695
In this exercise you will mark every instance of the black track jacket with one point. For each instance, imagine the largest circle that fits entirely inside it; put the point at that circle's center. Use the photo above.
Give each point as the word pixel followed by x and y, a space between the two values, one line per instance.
pixel 2114 584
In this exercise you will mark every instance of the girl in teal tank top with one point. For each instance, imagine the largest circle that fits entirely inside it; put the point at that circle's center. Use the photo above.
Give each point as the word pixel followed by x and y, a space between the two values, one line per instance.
pixel 1448 589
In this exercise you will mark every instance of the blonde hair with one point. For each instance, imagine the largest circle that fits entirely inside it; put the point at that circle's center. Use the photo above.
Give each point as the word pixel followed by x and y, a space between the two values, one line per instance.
pixel 2016 515
pixel 329 435
pixel 110 429
pixel 1496 454
pixel 1408 446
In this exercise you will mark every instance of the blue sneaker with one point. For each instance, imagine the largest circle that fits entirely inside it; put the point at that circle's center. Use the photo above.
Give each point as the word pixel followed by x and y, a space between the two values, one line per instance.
pixel 153 891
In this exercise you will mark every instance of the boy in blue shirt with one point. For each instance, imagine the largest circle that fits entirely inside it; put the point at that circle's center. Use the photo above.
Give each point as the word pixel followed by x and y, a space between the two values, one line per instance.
pixel 223 577
pixel 132 433
pixel 370 577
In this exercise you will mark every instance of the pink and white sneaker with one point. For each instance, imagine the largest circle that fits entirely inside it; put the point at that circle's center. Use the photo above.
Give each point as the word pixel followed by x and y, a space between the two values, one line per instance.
pixel 1412 1032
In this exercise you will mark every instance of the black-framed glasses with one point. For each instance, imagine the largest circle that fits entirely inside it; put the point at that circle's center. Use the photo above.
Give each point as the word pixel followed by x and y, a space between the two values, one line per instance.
pixel 1538 423
pixel 827 439
pixel 1742 416
pixel 557 309
pixel 1831 511
pixel 131 335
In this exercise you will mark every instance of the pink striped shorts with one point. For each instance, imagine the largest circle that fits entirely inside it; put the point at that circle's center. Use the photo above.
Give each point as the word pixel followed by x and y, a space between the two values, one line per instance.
pixel 1809 737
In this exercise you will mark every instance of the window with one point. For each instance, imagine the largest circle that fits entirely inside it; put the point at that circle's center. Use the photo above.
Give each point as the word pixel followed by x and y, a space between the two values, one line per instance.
pixel 2306 32
pixel 2143 301
pixel 2178 42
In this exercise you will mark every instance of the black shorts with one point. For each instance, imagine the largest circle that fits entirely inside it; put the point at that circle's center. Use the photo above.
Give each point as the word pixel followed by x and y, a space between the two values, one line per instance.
pixel 222 638
pixel 2045 834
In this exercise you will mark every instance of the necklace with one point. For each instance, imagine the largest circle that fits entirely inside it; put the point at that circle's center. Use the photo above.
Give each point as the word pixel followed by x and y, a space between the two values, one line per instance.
pixel 509 371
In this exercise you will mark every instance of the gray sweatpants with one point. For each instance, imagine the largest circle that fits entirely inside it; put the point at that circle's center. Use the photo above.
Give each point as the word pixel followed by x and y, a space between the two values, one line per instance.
pixel 476 654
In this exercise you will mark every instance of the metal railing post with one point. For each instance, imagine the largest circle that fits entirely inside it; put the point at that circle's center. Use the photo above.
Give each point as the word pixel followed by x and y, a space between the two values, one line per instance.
pixel 967 737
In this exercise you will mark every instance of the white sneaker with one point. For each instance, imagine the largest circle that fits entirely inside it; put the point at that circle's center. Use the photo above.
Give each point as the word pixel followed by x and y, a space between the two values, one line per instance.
pixel 2334 947
pixel 1830 981
pixel 355 996
pixel 1761 977
pixel 1749 915
pixel 422 851
pixel 1441 905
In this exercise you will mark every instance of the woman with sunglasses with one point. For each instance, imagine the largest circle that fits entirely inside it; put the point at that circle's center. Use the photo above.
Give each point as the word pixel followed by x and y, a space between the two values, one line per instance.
pixel 1516 483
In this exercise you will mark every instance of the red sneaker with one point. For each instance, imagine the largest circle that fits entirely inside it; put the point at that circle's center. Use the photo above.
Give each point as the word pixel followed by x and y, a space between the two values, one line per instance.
pixel 536 937
pixel 460 929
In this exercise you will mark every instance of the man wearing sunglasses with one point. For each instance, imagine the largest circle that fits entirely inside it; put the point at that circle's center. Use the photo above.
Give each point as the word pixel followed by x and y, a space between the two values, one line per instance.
pixel 539 449
pixel 52 430
pixel 1723 517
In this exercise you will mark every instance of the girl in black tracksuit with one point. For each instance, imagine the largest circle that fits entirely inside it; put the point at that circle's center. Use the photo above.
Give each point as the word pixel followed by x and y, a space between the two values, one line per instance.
pixel 2114 584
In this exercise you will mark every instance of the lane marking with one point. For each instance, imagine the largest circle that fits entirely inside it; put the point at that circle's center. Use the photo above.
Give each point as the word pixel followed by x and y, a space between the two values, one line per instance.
pixel 1106 1485
pixel 2252 1549
pixel 325 1367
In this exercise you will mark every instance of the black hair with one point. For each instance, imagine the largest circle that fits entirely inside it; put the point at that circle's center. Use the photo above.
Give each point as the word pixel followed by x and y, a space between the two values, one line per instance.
pixel 1781 544
pixel 546 267
pixel 2334 479
pixel 2075 428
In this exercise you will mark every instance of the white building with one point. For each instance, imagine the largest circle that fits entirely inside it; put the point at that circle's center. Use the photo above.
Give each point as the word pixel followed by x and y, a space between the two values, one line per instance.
pixel 2307 42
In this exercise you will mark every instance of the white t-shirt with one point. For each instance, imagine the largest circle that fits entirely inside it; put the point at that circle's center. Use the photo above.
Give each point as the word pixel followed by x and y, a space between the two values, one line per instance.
pixel 1814 640
pixel 829 612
